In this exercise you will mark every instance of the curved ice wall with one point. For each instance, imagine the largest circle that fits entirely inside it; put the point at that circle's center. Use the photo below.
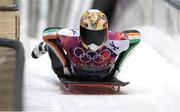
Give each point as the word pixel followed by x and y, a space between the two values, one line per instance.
pixel 157 20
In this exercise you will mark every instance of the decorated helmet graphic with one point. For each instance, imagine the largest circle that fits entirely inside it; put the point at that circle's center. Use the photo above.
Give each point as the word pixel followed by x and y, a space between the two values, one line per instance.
pixel 93 29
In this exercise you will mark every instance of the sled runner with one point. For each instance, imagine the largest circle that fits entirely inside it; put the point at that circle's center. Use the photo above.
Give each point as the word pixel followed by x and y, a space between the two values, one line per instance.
pixel 113 83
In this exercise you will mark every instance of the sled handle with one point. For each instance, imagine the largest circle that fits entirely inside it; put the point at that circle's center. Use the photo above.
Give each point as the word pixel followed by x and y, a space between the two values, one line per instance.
pixel 39 50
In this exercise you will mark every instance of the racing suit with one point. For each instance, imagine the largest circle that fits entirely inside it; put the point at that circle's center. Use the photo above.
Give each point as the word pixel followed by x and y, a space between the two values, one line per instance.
pixel 70 58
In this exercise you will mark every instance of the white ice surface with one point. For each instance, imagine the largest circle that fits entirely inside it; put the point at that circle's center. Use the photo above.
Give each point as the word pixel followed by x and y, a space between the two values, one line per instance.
pixel 154 83
pixel 154 87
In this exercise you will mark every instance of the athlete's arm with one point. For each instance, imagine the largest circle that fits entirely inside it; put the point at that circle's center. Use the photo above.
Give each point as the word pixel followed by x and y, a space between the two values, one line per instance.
pixel 51 37
pixel 134 38
pixel 55 50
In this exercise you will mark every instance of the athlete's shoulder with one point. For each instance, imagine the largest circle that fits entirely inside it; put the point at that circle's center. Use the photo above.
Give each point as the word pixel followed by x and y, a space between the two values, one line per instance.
pixel 70 32
pixel 117 35
pixel 117 42
pixel 133 34
pixel 51 31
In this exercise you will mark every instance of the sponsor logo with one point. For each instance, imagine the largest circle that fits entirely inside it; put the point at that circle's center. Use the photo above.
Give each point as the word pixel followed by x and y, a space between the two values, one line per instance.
pixel 113 46
pixel 94 56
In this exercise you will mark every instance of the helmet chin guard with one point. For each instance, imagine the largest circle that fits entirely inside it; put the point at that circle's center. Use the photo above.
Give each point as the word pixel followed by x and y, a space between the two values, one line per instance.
pixel 94 47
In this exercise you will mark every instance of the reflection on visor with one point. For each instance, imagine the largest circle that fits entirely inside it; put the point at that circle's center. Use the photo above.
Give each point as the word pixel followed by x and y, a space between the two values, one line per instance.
pixel 96 37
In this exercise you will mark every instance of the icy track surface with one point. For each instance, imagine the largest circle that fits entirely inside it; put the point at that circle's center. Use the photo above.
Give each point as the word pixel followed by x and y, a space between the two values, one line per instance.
pixel 154 87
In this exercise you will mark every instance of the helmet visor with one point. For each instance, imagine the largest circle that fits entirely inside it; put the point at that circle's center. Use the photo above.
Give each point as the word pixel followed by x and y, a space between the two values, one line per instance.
pixel 96 37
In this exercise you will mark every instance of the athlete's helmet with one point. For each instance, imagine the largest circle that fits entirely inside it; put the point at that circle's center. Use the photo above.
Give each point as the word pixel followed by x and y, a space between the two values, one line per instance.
pixel 93 29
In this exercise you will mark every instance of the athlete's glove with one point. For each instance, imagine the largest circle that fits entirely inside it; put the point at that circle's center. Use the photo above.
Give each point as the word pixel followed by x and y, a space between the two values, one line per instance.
pixel 39 50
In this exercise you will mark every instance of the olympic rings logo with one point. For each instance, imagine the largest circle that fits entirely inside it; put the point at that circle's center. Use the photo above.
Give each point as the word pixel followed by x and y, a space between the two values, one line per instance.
pixel 86 57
